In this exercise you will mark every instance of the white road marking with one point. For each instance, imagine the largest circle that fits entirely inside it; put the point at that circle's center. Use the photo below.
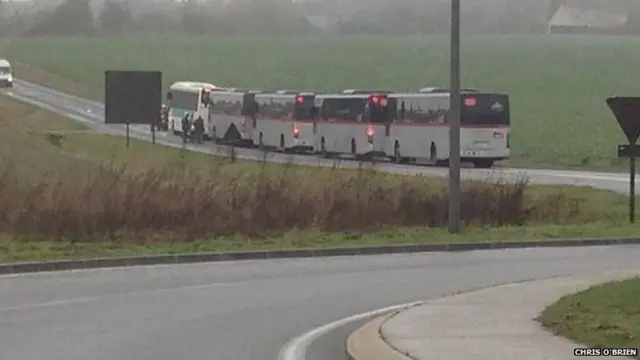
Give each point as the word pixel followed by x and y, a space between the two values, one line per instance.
pixel 97 298
pixel 296 348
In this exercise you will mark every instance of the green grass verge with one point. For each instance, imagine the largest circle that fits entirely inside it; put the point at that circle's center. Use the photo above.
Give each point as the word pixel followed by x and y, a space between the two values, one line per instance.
pixel 12 249
pixel 557 84
pixel 606 315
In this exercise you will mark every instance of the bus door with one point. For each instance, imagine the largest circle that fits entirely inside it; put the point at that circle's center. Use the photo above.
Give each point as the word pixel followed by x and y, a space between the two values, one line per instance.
pixel 485 124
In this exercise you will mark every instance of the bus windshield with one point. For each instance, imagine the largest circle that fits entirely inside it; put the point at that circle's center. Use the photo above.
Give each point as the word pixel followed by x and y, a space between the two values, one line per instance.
pixel 184 100
pixel 359 109
pixel 381 109
pixel 303 108
pixel 485 109
pixel 343 109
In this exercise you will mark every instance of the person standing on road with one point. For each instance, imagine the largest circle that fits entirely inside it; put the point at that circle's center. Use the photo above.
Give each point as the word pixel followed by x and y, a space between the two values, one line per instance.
pixel 198 127
pixel 186 126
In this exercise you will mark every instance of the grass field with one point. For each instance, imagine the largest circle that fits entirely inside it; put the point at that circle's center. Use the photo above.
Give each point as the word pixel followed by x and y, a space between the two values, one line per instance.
pixel 557 84
pixel 607 315
pixel 68 192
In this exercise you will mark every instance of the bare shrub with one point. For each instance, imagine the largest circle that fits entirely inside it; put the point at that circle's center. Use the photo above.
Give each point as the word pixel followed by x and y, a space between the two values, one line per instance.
pixel 110 201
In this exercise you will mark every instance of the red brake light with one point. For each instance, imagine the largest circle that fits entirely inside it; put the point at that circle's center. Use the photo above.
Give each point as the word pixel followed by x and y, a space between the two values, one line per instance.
pixel 296 131
pixel 370 132
pixel 470 101
pixel 300 99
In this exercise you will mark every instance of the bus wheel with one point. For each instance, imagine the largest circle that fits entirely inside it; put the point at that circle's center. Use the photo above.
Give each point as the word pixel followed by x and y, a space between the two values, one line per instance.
pixel 483 163
pixel 397 157
pixel 433 154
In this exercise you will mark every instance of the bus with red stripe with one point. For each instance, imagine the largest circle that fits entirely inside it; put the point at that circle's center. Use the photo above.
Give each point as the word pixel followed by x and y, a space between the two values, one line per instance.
pixel 420 130
pixel 284 121
pixel 232 117
pixel 353 124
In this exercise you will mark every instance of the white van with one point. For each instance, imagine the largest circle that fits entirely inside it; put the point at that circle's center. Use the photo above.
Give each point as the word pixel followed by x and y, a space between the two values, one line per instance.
pixel 6 75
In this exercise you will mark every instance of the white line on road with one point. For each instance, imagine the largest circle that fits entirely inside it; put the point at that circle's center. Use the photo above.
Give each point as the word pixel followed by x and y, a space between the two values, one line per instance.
pixel 74 301
pixel 296 348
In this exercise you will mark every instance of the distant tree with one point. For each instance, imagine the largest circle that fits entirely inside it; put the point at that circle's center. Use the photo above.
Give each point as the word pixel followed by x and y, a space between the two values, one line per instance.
pixel 72 17
pixel 3 19
pixel 193 20
pixel 156 22
pixel 115 16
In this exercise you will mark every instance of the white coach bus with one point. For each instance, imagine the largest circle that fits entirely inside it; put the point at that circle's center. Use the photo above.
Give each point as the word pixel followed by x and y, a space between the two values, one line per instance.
pixel 232 117
pixel 189 97
pixel 420 130
pixel 285 121
pixel 355 124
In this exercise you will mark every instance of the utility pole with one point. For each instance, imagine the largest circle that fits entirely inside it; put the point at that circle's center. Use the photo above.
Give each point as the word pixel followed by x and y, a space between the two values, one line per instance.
pixel 454 121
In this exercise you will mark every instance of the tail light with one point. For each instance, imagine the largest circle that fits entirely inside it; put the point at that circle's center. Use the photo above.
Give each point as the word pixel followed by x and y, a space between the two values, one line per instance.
pixel 378 100
pixel 370 133
pixel 296 132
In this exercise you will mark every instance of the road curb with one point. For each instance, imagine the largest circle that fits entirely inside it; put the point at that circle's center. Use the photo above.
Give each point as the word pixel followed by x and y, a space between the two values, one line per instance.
pixel 366 343
pixel 167 259
pixel 576 283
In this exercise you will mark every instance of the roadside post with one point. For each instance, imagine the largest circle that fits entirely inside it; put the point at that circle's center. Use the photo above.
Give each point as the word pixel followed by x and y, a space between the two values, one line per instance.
pixel 627 112
pixel 454 122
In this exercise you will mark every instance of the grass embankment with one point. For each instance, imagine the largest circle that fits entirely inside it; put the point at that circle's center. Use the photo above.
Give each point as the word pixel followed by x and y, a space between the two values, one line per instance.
pixel 557 84
pixel 66 192
pixel 606 315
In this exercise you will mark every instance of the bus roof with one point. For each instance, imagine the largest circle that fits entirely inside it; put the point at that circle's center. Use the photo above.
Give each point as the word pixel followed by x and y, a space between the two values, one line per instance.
pixel 443 90
pixel 363 91
pixel 350 96
pixel 434 95
pixel 193 86
pixel 286 92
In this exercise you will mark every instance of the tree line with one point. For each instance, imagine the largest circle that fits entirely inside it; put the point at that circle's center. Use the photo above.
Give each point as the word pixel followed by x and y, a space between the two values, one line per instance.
pixel 275 17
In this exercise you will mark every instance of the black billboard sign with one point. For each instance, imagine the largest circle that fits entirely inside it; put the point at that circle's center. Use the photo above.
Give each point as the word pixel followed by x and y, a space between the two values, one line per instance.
pixel 132 97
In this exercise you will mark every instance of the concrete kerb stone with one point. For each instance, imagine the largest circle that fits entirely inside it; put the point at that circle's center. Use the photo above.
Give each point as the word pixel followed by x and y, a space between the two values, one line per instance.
pixel 35 266
pixel 366 342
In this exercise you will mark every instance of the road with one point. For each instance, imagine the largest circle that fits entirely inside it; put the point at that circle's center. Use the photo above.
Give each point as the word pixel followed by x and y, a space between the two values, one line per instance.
pixel 92 114
pixel 249 310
